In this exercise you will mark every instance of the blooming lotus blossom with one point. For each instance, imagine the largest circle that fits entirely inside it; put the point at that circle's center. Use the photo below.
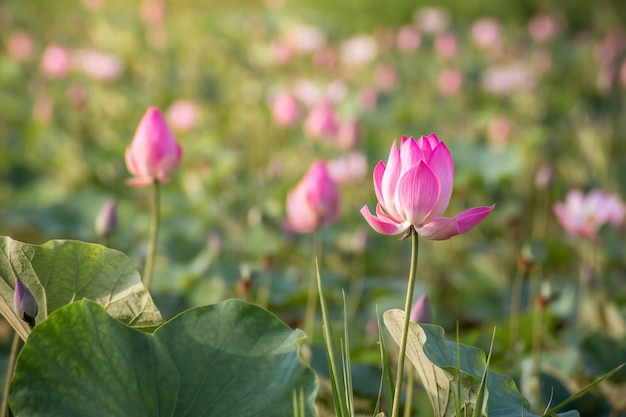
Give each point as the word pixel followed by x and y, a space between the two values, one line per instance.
pixel 154 153
pixel 24 302
pixel 584 215
pixel 314 202
pixel 414 190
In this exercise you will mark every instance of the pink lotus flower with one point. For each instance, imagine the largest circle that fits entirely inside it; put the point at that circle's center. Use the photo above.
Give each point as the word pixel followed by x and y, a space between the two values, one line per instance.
pixel 583 216
pixel 314 202
pixel 414 190
pixel 154 153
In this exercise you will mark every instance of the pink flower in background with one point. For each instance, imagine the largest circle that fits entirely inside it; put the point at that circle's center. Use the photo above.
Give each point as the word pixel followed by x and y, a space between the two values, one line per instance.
pixel 321 122
pixel 314 202
pixel 498 131
pixel 450 81
pixel 154 154
pixel 305 38
pixel 446 45
pixel 386 77
pixel 543 27
pixel 326 58
pixel 280 51
pixel 367 98
pixel 55 61
pixel 486 33
pixel 183 115
pixel 20 45
pixel 348 134
pixel 408 39
pixel 431 19
pixel 106 220
pixel 285 109
pixel 348 168
pixel 358 50
pixel 152 11
pixel 584 215
pixel 100 66
pixel 414 190
pixel 502 80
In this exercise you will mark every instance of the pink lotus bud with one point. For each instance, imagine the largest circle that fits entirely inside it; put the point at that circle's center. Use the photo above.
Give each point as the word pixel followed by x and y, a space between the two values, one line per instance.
pixel 106 221
pixel 20 45
pixel 408 39
pixel 450 81
pixel 183 115
pixel 386 77
pixel 421 311
pixel 446 45
pixel 486 33
pixel 285 109
pixel 414 190
pixel 314 202
pixel 154 153
pixel 24 303
pixel 348 134
pixel 321 122
pixel 55 61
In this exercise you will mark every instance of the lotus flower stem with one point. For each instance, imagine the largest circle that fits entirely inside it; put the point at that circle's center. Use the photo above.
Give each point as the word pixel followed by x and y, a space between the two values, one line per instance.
pixel 311 300
pixel 15 345
pixel 405 326
pixel 152 239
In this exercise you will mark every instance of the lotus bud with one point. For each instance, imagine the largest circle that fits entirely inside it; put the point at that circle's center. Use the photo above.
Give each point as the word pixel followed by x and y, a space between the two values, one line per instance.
pixel 421 311
pixel 24 303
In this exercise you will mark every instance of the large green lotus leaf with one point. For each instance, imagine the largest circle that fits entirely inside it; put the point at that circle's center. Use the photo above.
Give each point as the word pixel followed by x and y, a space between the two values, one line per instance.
pixel 228 359
pixel 435 361
pixel 61 271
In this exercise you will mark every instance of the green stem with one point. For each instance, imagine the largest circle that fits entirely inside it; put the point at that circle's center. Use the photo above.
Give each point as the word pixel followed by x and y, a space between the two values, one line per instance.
pixel 409 391
pixel 405 327
pixel 535 376
pixel 311 294
pixel 152 239
pixel 10 368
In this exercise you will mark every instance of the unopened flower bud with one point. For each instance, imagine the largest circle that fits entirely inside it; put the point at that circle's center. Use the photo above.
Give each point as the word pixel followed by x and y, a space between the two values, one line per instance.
pixel 24 303
pixel 106 221
pixel 421 311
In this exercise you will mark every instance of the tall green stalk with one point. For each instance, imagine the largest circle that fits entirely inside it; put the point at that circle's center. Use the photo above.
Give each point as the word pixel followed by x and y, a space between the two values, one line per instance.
pixel 311 294
pixel 405 327
pixel 15 345
pixel 152 239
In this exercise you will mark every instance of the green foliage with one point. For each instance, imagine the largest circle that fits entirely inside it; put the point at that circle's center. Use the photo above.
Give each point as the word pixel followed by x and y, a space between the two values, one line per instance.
pixel 231 358
pixel 59 272
pixel 440 370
